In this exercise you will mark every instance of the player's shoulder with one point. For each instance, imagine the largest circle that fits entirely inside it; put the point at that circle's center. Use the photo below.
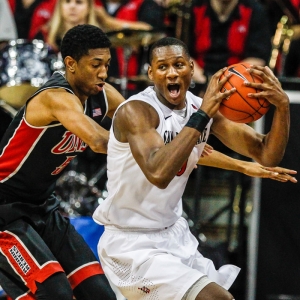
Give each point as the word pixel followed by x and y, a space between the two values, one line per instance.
pixel 110 89
pixel 54 92
pixel 195 100
pixel 148 94
pixel 55 98
pixel 145 100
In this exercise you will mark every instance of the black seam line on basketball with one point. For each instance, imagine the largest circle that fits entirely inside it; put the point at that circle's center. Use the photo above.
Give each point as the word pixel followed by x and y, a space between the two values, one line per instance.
pixel 241 111
pixel 244 65
pixel 248 115
pixel 256 110
pixel 232 70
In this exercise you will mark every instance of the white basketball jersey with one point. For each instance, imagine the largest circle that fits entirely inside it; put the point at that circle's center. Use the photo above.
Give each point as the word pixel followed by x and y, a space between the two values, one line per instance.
pixel 133 202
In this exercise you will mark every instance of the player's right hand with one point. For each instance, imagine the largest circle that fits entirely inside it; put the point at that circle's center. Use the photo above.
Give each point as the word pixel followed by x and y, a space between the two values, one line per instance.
pixel 213 95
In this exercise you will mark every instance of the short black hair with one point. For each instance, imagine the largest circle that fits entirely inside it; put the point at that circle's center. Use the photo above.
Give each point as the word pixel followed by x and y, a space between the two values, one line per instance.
pixel 81 38
pixel 168 41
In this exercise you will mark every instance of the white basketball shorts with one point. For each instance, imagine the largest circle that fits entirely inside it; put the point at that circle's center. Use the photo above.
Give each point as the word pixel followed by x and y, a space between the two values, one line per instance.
pixel 157 264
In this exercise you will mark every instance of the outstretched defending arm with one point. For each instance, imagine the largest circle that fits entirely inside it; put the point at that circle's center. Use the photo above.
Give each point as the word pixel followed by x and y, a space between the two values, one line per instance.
pixel 219 160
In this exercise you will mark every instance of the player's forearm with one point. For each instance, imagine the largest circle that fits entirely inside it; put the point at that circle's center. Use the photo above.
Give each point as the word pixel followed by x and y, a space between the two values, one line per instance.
pixel 219 160
pixel 276 140
pixel 163 164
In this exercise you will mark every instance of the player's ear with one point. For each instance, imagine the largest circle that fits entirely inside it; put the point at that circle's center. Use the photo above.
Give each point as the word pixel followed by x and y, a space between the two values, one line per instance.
pixel 70 63
pixel 192 66
pixel 150 73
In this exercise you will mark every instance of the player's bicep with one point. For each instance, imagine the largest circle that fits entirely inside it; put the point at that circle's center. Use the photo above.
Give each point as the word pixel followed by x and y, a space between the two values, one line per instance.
pixel 71 115
pixel 136 123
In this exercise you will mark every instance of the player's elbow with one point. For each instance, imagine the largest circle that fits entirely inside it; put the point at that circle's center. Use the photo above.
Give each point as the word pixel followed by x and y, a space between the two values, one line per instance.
pixel 161 181
pixel 271 160
pixel 99 148
pixel 162 185
pixel 99 145
pixel 98 142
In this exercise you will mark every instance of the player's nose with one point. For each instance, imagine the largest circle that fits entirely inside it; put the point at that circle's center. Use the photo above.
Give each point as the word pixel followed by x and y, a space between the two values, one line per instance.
pixel 102 73
pixel 172 72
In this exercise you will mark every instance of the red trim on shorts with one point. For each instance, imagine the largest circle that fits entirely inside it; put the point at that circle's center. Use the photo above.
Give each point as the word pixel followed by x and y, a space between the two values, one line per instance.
pixel 84 272
pixel 23 263
pixel 47 270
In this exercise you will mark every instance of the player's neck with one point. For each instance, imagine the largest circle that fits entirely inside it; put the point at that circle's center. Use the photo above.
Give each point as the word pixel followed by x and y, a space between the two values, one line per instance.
pixel 223 8
pixel 71 80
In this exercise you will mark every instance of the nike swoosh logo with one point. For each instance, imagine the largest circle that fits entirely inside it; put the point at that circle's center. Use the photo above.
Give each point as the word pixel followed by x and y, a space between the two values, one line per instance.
pixel 232 70
pixel 168 117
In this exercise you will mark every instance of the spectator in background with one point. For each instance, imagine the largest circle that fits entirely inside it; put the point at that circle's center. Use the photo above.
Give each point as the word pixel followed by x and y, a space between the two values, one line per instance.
pixel 30 15
pixel 69 13
pixel 146 11
pixel 110 23
pixel 66 15
pixel 225 32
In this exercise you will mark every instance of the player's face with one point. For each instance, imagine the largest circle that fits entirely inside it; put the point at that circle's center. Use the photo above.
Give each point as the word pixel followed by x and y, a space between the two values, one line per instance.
pixel 171 71
pixel 91 70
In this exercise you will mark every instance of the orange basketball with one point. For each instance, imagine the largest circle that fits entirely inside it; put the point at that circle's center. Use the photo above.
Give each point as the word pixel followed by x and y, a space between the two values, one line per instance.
pixel 239 107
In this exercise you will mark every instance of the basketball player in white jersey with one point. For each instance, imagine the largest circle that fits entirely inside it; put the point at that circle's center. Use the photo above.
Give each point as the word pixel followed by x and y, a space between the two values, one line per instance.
pixel 156 139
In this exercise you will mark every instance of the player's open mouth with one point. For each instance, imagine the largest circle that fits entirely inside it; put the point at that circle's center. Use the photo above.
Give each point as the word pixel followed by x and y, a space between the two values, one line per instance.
pixel 100 86
pixel 173 89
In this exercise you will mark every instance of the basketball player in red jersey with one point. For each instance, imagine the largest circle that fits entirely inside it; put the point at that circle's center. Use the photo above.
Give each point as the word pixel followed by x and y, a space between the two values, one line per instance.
pixel 42 256
pixel 146 12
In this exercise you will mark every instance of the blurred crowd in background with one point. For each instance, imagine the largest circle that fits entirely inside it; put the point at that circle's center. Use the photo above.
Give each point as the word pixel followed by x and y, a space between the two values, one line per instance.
pixel 218 33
